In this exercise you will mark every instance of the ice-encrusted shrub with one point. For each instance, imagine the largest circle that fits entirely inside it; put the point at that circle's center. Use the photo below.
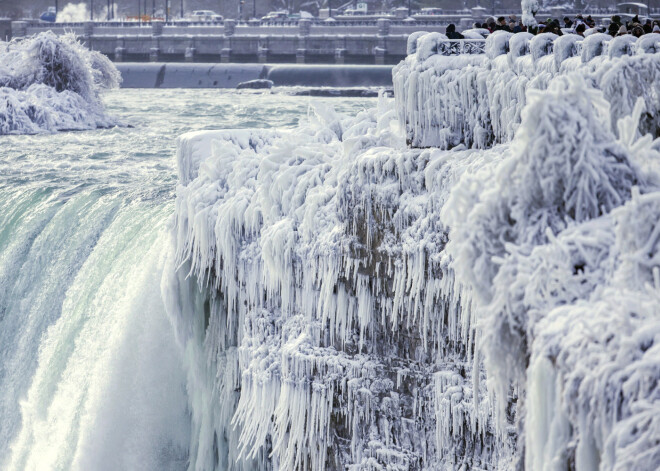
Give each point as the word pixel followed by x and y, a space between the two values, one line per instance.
pixel 73 76
pixel 592 381
pixel 628 79
pixel 638 241
pixel 593 395
pixel 40 108
pixel 545 240
pixel 566 167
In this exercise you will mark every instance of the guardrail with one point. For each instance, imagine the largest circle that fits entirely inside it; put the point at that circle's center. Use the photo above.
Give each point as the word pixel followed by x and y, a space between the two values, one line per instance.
pixel 308 42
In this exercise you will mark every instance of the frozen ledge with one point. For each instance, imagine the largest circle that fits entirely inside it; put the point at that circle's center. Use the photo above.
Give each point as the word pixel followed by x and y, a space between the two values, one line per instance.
pixel 194 147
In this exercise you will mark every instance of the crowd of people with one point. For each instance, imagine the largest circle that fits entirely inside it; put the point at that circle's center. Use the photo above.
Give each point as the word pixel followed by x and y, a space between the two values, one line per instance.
pixel 578 25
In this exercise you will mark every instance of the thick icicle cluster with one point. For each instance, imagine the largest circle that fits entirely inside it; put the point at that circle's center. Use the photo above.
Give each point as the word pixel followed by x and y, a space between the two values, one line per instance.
pixel 477 100
pixel 50 83
pixel 345 301
pixel 328 326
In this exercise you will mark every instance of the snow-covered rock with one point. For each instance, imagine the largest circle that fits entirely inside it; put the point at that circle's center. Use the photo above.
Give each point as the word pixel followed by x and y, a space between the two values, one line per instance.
pixel 50 83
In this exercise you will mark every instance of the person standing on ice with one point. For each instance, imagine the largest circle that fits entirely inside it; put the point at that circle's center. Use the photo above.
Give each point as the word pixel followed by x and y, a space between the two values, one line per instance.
pixel 490 24
pixel 501 25
pixel 451 33
pixel 613 29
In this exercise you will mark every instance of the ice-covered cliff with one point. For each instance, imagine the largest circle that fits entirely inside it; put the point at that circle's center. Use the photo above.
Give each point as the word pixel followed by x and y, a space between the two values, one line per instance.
pixel 345 301
pixel 51 83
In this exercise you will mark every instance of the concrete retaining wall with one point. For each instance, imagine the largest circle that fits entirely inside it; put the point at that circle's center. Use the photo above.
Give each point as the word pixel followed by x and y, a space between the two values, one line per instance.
pixel 178 75
pixel 305 42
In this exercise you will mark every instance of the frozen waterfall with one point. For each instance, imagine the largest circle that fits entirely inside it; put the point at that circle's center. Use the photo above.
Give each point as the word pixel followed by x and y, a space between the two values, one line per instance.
pixel 91 376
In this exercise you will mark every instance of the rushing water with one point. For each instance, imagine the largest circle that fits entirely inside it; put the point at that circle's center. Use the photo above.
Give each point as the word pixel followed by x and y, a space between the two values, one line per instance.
pixel 90 375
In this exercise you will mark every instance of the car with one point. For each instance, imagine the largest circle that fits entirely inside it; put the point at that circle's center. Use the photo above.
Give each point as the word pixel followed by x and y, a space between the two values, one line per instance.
pixel 430 11
pixel 49 15
pixel 276 16
pixel 205 15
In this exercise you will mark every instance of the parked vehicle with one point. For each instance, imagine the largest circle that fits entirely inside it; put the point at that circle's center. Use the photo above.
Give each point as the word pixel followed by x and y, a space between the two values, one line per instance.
pixel 359 10
pixel 276 16
pixel 205 15
pixel 49 15
pixel 430 11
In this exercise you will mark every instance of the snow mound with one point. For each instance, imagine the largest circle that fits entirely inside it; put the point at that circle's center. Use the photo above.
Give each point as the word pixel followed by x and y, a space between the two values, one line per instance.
pixel 429 44
pixel 519 44
pixel 594 45
pixel 497 44
pixel 565 47
pixel 50 83
pixel 648 44
pixel 622 46
pixel 411 45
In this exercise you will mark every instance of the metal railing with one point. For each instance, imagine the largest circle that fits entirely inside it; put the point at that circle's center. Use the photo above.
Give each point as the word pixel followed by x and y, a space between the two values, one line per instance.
pixel 455 47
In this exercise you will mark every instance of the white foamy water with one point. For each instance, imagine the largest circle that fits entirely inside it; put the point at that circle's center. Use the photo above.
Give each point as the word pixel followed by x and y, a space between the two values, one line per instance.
pixel 90 374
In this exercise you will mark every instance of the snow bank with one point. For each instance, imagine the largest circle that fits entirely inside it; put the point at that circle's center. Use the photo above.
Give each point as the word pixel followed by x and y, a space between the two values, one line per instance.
pixel 348 302
pixel 448 100
pixel 50 83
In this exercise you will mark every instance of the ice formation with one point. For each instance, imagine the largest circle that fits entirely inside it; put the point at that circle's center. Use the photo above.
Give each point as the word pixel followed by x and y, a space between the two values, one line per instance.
pixel 529 9
pixel 50 83
pixel 477 99
pixel 484 299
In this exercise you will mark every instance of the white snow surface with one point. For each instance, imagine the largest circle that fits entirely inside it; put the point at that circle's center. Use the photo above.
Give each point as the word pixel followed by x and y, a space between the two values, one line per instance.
pixel 50 83
pixel 487 302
